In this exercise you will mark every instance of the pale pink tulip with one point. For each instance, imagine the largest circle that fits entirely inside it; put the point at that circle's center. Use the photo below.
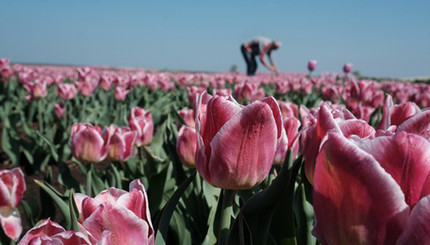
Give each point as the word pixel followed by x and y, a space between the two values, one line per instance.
pixel 50 233
pixel 67 91
pixel 12 187
pixel 121 143
pixel 89 143
pixel 117 216
pixel 121 93
pixel 140 120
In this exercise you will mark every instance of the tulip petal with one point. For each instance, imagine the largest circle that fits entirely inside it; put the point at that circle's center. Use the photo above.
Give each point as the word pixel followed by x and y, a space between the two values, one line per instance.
pixel 416 124
pixel 244 148
pixel 355 200
pixel 406 157
pixel 12 225
pixel 418 229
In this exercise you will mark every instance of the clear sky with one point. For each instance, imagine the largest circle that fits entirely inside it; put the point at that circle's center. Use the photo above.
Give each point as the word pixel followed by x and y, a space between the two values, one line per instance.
pixel 380 37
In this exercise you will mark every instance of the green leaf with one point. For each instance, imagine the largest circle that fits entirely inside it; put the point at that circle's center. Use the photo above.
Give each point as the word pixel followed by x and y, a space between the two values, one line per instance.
pixel 50 145
pixel 161 226
pixel 258 211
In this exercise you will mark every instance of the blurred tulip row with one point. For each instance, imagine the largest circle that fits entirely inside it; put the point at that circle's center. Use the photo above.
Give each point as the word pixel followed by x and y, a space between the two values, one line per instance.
pixel 131 156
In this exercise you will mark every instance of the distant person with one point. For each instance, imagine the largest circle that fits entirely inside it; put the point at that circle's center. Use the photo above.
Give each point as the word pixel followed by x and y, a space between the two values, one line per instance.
pixel 259 46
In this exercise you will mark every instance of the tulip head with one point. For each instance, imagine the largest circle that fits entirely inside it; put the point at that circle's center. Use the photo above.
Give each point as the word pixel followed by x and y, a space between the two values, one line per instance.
pixel 186 146
pixel 236 145
pixel 347 68
pixel 312 64
pixel 89 143
pixel 140 120
pixel 121 143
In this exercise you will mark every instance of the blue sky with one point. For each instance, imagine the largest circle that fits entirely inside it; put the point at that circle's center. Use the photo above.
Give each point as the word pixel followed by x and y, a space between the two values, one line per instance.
pixel 381 38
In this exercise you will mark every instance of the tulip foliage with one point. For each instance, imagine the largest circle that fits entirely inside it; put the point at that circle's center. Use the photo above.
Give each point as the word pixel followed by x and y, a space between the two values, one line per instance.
pixel 132 156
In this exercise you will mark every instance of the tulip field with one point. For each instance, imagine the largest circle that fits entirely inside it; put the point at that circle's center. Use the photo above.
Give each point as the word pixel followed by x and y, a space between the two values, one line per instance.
pixel 102 155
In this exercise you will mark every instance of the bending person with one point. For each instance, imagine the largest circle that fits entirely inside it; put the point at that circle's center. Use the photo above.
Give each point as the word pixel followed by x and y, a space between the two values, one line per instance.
pixel 259 46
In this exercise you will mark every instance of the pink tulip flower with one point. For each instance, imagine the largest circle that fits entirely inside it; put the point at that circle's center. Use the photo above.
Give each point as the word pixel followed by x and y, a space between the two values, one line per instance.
pixel 67 91
pixel 312 64
pixel 288 109
pixel 329 119
pixel 49 232
pixel 236 145
pixel 121 143
pixel 36 90
pixel 186 146
pixel 89 143
pixel 59 109
pixel 373 191
pixel 188 116
pixel 12 187
pixel 347 68
pixel 117 216
pixel 140 120
pixel 289 139
pixel 121 93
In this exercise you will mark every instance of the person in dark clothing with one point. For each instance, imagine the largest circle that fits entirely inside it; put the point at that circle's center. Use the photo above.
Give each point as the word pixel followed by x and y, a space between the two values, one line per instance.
pixel 259 46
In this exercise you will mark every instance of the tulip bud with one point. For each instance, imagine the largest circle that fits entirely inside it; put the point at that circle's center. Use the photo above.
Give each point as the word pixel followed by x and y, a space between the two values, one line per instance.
pixel 186 146
pixel 89 143
pixel 347 68
pixel 59 109
pixel 140 120
pixel 312 64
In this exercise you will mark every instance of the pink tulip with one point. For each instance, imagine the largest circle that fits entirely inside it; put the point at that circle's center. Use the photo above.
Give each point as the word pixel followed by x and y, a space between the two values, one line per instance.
pixel 289 139
pixel 36 90
pixel 236 145
pixel 117 216
pixel 121 143
pixel 288 109
pixel 193 93
pixel 140 120
pixel 121 93
pixel 188 116
pixel 86 88
pixel 89 143
pixel 394 115
pixel 67 91
pixel 106 80
pixel 49 232
pixel 364 190
pixel 186 146
pixel 329 119
pixel 312 64
pixel 248 91
pixel 12 187
pixel 347 68
pixel 59 109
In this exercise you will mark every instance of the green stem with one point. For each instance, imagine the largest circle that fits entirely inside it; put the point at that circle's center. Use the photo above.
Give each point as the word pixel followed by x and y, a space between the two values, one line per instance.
pixel 39 115
pixel 84 110
pixel 225 219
